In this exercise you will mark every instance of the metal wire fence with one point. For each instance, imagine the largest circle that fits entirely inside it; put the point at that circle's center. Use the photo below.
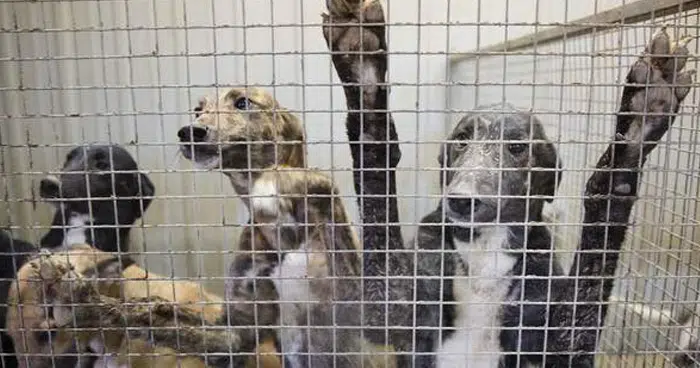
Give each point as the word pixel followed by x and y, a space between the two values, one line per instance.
pixel 131 72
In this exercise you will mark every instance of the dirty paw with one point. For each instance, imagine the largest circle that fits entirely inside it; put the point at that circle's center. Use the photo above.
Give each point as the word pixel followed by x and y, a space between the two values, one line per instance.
pixel 344 28
pixel 65 284
pixel 50 268
pixel 352 27
pixel 656 86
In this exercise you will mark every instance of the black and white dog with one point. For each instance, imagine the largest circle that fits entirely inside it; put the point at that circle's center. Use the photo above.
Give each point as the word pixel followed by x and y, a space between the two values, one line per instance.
pixel 99 195
pixel 506 302
pixel 487 183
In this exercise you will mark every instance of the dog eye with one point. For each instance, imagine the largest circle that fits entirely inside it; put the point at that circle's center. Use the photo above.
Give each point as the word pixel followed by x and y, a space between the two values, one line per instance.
pixel 461 139
pixel 517 148
pixel 242 103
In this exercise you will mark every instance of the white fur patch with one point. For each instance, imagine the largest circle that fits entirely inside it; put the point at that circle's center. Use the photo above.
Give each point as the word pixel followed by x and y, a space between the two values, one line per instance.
pixel 475 343
pixel 97 347
pixel 207 164
pixel 292 284
pixel 264 197
pixel 76 232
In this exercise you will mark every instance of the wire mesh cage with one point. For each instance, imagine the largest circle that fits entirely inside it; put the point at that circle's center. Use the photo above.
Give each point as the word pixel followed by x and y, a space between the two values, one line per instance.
pixel 246 175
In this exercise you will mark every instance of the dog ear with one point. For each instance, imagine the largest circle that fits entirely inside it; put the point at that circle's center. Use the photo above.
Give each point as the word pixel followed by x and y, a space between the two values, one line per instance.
pixel 546 182
pixel 136 185
pixel 292 130
pixel 146 191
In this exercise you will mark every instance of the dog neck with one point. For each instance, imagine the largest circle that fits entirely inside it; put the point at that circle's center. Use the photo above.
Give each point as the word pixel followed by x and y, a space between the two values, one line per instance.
pixel 241 182
pixel 69 228
pixel 482 250
pixel 485 259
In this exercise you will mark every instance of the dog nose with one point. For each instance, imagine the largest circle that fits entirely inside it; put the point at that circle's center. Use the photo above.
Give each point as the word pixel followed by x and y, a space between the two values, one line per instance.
pixel 190 134
pixel 464 206
pixel 48 188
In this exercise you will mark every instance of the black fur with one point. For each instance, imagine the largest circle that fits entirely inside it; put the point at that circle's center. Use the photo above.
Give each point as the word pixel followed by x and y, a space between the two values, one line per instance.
pixel 13 254
pixel 437 258
pixel 103 182
pixel 559 333
pixel 74 193
pixel 374 162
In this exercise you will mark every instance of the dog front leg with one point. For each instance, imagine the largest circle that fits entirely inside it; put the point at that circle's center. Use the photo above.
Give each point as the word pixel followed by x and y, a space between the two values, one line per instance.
pixel 656 85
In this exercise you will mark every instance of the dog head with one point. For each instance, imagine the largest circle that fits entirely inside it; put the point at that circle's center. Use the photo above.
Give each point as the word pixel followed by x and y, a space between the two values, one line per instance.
pixel 93 178
pixel 498 159
pixel 243 129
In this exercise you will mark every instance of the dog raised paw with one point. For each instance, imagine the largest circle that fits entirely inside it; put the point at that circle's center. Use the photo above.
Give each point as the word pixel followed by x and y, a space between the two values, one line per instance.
pixel 355 35
pixel 342 29
pixel 656 85
pixel 64 288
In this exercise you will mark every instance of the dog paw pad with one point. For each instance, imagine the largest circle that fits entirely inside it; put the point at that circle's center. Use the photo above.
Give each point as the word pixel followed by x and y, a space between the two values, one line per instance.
pixel 623 189
pixel 657 86
pixel 660 44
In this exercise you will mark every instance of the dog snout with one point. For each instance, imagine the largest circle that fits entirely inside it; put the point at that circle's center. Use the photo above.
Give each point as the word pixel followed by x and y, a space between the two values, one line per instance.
pixel 464 206
pixel 193 134
pixel 49 187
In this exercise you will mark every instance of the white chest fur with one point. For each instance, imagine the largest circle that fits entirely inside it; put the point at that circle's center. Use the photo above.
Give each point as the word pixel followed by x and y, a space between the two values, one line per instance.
pixel 75 233
pixel 291 280
pixel 475 342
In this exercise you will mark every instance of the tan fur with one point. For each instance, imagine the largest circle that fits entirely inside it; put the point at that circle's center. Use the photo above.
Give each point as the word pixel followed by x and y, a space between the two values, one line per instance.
pixel 44 277
pixel 266 127
pixel 267 122
pixel 26 316
pixel 264 122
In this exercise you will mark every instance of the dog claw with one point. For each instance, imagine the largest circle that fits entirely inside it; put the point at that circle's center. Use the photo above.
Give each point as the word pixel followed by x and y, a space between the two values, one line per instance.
pixel 680 54
pixel 683 41
pixel 660 43
pixel 660 70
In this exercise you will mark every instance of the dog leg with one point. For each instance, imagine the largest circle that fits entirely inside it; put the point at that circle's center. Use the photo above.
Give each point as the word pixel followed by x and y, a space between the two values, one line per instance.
pixel 355 34
pixel 656 85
